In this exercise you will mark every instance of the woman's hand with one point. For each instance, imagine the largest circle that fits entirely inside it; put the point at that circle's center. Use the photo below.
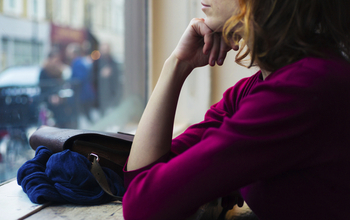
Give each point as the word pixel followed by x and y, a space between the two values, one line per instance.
pixel 200 46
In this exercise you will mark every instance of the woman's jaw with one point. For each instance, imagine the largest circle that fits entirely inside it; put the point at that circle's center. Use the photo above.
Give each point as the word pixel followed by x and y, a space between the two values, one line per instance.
pixel 218 12
pixel 214 24
pixel 233 45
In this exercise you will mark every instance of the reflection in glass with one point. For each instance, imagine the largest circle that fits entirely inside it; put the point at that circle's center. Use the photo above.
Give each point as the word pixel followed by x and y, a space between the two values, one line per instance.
pixel 61 64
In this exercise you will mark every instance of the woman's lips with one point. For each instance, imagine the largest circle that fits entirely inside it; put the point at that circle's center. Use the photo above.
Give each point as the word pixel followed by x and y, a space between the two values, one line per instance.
pixel 205 5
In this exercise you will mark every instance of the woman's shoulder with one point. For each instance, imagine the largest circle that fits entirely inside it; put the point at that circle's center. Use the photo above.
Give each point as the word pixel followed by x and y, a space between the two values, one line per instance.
pixel 311 70
pixel 244 84
pixel 326 65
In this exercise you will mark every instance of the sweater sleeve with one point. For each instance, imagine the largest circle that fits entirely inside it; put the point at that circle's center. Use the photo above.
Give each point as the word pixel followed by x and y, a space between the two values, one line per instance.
pixel 277 128
pixel 214 117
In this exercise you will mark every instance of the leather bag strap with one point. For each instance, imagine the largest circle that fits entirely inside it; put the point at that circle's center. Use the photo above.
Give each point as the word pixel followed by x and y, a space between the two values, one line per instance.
pixel 100 177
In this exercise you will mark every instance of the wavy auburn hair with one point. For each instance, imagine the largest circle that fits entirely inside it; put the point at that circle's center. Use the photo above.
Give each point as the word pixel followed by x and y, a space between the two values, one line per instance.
pixel 280 32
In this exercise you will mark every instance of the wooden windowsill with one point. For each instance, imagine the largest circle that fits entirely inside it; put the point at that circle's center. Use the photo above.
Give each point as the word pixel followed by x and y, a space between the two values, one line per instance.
pixel 15 204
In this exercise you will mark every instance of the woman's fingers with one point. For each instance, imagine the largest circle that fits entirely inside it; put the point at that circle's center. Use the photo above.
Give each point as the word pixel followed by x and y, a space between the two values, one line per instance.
pixel 214 53
pixel 195 41
pixel 200 46
pixel 208 43
pixel 219 49
pixel 224 48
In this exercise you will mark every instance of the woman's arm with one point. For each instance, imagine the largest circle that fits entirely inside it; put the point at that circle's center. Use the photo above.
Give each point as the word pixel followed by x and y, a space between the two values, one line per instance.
pixel 198 46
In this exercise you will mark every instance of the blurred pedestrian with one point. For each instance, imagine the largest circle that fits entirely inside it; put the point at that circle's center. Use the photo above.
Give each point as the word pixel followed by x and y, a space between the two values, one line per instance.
pixel 109 85
pixel 82 74
pixel 51 79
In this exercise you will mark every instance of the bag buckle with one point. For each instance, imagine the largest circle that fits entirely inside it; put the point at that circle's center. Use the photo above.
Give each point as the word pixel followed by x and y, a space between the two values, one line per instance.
pixel 93 155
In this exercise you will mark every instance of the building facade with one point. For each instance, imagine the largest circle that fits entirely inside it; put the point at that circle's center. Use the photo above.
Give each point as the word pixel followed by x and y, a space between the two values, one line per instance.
pixel 30 28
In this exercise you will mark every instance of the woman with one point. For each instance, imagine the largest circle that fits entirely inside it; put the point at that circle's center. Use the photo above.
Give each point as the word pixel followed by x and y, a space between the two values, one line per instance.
pixel 51 78
pixel 280 136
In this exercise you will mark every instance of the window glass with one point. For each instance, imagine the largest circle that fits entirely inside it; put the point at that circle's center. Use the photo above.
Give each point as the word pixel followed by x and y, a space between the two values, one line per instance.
pixel 62 63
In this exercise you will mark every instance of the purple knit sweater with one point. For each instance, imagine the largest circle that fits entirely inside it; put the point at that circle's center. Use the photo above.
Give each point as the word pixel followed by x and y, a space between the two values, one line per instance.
pixel 283 142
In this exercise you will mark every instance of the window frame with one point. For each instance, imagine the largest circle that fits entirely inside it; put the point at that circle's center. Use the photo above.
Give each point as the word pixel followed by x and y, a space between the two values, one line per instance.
pixel 136 50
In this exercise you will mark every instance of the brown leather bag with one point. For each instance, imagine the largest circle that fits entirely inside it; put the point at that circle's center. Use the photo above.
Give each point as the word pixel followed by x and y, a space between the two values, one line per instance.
pixel 106 149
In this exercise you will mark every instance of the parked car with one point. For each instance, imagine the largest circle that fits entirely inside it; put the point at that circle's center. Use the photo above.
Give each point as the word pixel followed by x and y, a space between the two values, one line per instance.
pixel 27 102
pixel 19 96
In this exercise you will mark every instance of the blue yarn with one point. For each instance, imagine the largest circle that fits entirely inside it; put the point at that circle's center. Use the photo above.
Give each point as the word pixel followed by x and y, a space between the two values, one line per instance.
pixel 65 177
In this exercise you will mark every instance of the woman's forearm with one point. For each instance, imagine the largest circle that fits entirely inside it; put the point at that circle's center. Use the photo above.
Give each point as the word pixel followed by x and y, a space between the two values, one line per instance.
pixel 197 47
pixel 154 132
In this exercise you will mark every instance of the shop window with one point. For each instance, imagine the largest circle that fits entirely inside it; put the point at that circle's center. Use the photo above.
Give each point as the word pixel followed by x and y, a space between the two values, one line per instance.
pixel 82 65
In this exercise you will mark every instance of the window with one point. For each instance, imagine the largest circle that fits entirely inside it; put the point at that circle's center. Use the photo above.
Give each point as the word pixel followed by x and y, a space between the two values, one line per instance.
pixel 43 43
pixel 13 7
pixel 36 10
pixel 12 3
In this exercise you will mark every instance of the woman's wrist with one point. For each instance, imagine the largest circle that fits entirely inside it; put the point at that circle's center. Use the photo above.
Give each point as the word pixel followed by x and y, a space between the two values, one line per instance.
pixel 180 69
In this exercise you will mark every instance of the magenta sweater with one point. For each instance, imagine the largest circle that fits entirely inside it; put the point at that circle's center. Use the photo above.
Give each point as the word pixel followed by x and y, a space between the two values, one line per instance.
pixel 284 142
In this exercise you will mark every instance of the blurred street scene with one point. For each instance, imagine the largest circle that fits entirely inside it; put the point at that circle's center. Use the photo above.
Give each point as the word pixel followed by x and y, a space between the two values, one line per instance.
pixel 61 64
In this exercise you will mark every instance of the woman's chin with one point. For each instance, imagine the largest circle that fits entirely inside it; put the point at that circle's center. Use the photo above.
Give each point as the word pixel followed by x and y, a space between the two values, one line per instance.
pixel 214 26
